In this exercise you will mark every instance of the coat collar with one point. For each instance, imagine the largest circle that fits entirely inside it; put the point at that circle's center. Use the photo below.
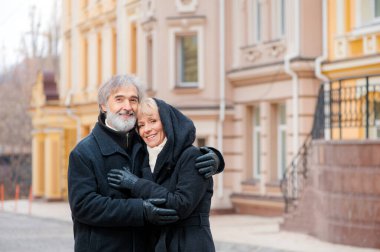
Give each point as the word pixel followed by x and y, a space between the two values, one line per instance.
pixel 106 144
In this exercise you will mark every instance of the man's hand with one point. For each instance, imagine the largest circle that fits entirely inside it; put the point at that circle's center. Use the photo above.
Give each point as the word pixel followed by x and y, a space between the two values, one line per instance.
pixel 208 163
pixel 156 215
pixel 122 179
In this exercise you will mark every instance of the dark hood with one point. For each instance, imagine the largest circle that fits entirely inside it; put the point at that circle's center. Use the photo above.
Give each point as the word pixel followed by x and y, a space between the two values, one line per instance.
pixel 180 134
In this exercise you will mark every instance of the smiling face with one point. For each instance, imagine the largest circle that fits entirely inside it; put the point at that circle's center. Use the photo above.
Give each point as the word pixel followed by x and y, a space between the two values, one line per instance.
pixel 149 123
pixel 121 108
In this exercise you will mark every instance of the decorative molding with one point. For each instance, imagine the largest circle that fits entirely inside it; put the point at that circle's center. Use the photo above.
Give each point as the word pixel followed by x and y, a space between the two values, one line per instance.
pixel 252 54
pixel 340 48
pixel 275 50
pixel 369 44
pixel 186 6
pixel 186 21
pixel 148 25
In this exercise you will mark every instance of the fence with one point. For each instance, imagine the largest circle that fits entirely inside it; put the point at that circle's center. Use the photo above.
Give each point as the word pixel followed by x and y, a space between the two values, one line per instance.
pixel 347 108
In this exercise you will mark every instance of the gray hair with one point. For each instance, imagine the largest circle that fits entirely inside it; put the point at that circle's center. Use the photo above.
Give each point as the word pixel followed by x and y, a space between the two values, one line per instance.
pixel 115 83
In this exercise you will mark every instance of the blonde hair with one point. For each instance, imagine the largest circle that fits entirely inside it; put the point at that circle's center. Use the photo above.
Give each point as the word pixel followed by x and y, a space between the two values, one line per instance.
pixel 147 107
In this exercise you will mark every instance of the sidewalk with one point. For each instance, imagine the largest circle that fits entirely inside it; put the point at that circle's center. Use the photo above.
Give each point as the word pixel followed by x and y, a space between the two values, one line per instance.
pixel 248 230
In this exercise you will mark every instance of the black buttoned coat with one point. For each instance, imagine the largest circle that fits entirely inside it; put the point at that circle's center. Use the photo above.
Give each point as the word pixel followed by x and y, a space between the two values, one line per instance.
pixel 104 219
pixel 175 179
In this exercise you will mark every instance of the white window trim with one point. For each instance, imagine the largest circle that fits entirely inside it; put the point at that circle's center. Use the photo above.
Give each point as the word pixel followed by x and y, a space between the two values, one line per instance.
pixel 173 33
pixel 152 36
pixel 280 129
pixel 375 19
pixel 340 17
pixel 362 29
pixel 277 23
pixel 253 22
pixel 255 151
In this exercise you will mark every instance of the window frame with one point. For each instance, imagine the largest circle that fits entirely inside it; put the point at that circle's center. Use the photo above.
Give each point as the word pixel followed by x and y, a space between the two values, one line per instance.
pixel 281 129
pixel 256 142
pixel 180 63
pixel 174 32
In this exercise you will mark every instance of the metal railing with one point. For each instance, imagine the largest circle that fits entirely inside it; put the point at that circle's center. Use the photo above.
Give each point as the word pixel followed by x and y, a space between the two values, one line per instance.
pixel 346 108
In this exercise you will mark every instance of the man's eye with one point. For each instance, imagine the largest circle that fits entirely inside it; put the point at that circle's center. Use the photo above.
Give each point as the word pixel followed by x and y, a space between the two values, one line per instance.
pixel 133 100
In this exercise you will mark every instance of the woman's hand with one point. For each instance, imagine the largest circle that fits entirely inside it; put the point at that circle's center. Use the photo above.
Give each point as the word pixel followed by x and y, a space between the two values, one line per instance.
pixel 122 179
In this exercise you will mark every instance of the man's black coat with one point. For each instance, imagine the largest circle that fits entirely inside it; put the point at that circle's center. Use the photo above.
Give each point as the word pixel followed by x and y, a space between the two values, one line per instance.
pixel 105 219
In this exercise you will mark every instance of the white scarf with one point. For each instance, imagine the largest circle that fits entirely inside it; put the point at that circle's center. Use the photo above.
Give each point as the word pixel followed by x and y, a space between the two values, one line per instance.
pixel 153 153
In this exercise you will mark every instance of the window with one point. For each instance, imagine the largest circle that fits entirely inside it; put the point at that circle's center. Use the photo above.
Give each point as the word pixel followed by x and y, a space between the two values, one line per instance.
pixel 257 23
pixel 149 63
pixel 133 49
pixel 281 140
pixel 201 141
pixel 279 19
pixel 256 142
pixel 377 118
pixel 99 59
pixel 280 14
pixel 114 51
pixel 367 12
pixel 377 8
pixel 187 60
pixel 85 62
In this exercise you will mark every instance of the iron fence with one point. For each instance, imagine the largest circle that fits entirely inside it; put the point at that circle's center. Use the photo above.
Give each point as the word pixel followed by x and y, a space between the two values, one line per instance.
pixel 346 108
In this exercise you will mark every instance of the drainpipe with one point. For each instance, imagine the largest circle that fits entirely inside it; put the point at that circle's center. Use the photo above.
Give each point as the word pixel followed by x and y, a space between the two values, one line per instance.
pixel 323 57
pixel 71 114
pixel 222 102
pixel 293 74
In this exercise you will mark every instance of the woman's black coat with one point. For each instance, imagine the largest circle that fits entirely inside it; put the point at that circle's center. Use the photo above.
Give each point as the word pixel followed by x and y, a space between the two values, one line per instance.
pixel 179 182
pixel 105 219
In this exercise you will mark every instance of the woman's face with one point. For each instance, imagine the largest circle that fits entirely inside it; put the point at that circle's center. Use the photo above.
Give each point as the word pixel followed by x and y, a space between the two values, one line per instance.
pixel 150 129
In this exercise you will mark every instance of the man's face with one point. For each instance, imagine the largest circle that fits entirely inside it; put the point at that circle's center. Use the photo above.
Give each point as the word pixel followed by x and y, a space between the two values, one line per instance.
pixel 121 108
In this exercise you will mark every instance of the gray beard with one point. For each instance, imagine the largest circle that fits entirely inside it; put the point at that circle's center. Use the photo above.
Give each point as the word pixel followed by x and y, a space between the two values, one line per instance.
pixel 119 124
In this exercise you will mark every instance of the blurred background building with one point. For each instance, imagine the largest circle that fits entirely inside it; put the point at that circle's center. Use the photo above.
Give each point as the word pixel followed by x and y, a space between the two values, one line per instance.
pixel 242 70
pixel 275 85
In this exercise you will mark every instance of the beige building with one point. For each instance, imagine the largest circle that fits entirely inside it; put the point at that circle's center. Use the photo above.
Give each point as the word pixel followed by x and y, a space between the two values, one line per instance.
pixel 243 70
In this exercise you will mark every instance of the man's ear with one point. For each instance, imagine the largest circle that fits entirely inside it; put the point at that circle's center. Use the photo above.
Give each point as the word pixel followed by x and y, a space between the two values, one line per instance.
pixel 104 108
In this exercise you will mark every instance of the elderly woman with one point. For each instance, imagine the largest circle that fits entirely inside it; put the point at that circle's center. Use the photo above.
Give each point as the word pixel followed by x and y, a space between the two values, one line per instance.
pixel 169 174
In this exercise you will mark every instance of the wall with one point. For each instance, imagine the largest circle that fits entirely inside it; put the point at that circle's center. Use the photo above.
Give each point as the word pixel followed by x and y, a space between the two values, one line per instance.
pixel 341 202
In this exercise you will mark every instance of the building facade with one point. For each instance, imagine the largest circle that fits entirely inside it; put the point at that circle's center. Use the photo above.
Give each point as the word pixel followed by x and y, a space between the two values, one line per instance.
pixel 351 64
pixel 242 70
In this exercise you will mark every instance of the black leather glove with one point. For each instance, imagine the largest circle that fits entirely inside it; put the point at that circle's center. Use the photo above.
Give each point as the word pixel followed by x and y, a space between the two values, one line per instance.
pixel 156 215
pixel 122 179
pixel 208 163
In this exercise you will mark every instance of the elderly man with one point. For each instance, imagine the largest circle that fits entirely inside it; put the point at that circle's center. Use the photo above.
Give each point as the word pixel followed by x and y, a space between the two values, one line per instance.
pixel 106 219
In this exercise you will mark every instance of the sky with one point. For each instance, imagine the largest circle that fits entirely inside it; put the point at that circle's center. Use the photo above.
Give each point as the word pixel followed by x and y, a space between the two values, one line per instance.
pixel 15 22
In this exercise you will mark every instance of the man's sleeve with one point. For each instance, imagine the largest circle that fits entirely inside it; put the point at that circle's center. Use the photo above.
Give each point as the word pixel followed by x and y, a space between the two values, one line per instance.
pixel 90 207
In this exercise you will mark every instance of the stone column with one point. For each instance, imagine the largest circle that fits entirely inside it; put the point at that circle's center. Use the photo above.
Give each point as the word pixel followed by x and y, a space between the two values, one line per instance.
pixel 38 164
pixel 53 164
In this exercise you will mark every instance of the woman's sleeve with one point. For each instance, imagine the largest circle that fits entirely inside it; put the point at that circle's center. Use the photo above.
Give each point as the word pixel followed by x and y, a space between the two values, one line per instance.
pixel 189 191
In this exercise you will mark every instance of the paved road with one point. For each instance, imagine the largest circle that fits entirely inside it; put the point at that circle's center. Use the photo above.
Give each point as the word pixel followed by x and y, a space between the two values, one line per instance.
pixel 19 233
